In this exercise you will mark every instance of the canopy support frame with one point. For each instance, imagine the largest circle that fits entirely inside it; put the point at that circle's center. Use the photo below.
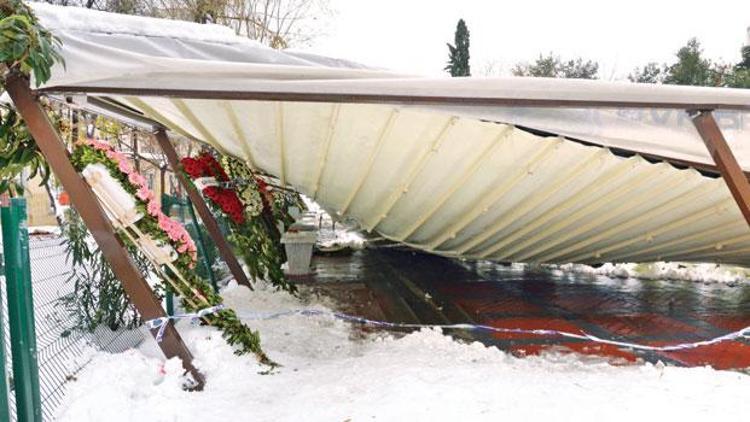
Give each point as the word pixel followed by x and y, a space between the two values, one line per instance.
pixel 725 160
pixel 225 250
pixel 138 290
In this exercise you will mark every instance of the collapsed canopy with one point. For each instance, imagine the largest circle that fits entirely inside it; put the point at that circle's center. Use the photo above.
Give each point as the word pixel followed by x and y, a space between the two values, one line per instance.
pixel 440 164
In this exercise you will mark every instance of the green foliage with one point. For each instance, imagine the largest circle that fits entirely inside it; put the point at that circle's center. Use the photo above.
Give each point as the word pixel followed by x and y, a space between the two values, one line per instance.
pixel 26 47
pixel 745 63
pixel 692 68
pixel 739 78
pixel 24 44
pixel 17 152
pixel 258 239
pixel 97 297
pixel 458 53
pixel 652 73
pixel 552 66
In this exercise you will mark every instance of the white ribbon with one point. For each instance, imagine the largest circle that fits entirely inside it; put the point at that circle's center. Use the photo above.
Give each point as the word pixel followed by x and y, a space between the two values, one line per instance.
pixel 163 322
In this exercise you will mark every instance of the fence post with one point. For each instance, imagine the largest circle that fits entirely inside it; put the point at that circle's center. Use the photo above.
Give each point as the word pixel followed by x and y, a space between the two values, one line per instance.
pixel 4 409
pixel 21 310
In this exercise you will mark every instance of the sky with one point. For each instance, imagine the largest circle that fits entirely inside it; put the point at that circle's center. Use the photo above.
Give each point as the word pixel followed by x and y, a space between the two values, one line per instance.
pixel 410 35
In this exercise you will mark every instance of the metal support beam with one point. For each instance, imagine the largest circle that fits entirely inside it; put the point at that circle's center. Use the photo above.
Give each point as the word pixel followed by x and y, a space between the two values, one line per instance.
pixel 267 90
pixel 200 205
pixel 726 162
pixel 87 205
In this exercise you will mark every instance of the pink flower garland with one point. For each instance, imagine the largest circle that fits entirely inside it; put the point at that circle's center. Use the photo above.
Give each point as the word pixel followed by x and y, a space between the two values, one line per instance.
pixel 174 230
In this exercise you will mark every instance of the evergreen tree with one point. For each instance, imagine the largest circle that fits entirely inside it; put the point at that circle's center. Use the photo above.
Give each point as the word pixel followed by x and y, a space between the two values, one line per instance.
pixel 740 77
pixel 745 63
pixel 551 66
pixel 691 68
pixel 458 54
pixel 652 73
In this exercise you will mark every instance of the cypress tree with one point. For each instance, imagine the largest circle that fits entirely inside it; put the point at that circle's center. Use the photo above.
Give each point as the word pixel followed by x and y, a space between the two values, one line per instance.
pixel 458 53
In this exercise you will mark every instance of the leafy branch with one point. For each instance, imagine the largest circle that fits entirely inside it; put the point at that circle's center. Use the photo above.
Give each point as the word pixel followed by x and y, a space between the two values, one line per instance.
pixel 18 151
pixel 24 44
pixel 26 47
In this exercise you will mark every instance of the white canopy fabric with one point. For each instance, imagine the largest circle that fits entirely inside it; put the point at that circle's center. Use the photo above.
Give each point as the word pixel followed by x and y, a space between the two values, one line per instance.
pixel 439 164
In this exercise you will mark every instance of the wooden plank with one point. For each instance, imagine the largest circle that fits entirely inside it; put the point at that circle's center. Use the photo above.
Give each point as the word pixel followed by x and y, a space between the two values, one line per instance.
pixel 225 250
pixel 726 162
pixel 87 205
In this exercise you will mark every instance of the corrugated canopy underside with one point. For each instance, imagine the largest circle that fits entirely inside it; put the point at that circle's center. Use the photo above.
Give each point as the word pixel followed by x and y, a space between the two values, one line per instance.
pixel 463 187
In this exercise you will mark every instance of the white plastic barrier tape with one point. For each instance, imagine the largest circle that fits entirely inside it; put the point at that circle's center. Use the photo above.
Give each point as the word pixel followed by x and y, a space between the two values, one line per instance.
pixel 743 333
pixel 161 323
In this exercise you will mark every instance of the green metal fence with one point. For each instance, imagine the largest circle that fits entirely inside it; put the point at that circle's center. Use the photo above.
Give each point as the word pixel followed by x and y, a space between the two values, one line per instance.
pixel 61 350
pixel 209 263
pixel 20 311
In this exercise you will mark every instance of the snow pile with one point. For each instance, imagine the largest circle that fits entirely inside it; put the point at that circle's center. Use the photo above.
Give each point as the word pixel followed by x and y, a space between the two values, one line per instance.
pixel 330 375
pixel 341 239
pixel 340 235
pixel 707 273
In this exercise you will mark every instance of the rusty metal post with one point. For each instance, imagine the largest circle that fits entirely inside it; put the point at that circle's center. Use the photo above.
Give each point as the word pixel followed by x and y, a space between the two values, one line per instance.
pixel 725 160
pixel 200 205
pixel 81 195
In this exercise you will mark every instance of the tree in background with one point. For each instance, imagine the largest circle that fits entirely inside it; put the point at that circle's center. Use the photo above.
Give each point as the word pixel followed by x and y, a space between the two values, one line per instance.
pixel 552 66
pixel 692 68
pixel 652 73
pixel 740 77
pixel 458 54
pixel 745 63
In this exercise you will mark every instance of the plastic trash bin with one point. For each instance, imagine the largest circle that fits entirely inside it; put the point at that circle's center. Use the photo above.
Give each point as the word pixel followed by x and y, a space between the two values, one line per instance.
pixel 298 242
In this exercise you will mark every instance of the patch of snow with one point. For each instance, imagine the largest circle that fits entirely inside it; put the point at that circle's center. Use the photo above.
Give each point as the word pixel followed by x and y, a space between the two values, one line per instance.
pixel 342 238
pixel 53 230
pixel 80 19
pixel 680 271
pixel 329 374
pixel 344 235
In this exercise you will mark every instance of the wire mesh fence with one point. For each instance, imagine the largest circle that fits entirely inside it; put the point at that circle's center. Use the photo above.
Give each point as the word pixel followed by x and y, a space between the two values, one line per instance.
pixel 62 349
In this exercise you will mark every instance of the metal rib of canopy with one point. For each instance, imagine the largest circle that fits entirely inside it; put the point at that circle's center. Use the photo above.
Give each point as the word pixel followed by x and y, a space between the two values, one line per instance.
pixel 468 188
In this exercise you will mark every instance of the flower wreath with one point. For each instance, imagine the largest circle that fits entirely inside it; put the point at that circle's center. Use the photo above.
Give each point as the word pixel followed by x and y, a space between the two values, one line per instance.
pixel 251 214
pixel 197 294
pixel 207 174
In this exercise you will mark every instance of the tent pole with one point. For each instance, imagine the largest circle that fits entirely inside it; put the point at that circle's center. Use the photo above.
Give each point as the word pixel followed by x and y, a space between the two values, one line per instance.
pixel 200 205
pixel 720 151
pixel 51 145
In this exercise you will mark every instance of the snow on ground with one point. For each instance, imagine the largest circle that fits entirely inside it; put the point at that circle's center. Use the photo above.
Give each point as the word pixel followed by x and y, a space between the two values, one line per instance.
pixel 680 271
pixel 331 373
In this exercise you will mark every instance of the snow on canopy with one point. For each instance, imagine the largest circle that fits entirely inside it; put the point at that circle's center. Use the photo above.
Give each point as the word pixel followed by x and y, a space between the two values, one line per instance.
pixel 435 163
